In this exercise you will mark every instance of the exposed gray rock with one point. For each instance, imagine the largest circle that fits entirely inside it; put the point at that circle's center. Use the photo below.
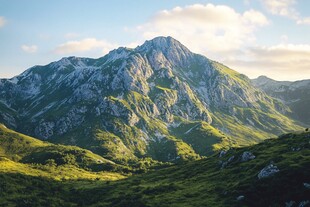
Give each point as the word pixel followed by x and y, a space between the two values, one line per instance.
pixel 246 156
pixel 307 185
pixel 294 149
pixel 8 119
pixel 222 153
pixel 268 171
pixel 290 204
pixel 168 82
pixel 240 198
pixel 304 203
pixel 45 130
pixel 224 164
pixel 231 159
pixel 74 118
pixel 117 108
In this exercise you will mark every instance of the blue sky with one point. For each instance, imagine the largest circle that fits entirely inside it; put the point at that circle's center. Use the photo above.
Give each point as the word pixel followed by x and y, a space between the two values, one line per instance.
pixel 254 37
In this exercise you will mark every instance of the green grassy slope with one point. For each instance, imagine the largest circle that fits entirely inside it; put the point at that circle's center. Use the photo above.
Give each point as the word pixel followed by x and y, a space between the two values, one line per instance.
pixel 213 181
pixel 206 183
pixel 201 136
pixel 23 154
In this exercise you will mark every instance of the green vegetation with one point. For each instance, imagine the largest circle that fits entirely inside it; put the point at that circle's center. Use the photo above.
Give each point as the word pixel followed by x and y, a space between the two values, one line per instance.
pixel 201 136
pixel 206 183
pixel 24 154
pixel 145 128
pixel 212 181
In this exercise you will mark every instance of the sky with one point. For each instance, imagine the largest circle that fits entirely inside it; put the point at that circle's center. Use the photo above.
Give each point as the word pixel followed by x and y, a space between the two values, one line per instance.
pixel 253 37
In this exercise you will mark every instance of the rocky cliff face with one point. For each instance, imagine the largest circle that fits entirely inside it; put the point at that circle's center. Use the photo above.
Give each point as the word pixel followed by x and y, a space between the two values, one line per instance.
pixel 294 94
pixel 136 98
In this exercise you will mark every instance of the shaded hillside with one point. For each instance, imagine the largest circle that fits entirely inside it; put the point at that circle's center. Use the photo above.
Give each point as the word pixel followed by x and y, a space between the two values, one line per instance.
pixel 235 179
pixel 273 173
pixel 294 94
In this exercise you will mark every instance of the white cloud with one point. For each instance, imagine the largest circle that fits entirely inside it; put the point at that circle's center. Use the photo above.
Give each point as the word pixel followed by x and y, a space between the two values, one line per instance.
pixel 29 48
pixel 281 62
pixel 85 45
pixel 223 34
pixel 2 21
pixel 285 8
pixel 281 7
pixel 206 28
pixel 305 20
pixel 254 18
pixel 133 44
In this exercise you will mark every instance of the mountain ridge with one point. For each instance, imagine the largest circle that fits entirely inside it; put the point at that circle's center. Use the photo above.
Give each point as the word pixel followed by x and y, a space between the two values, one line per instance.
pixel 295 94
pixel 127 104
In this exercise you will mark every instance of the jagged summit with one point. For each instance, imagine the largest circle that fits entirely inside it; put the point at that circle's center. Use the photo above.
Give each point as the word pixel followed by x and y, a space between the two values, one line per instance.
pixel 162 43
pixel 168 50
pixel 138 102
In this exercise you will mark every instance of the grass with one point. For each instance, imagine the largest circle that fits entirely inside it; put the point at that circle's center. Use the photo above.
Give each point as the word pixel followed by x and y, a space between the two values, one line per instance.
pixel 204 183
pixel 58 173
pixel 196 183
pixel 203 138
pixel 27 154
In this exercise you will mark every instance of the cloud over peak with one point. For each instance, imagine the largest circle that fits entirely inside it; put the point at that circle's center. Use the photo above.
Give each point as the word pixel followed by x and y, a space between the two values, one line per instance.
pixel 219 27
pixel 84 45
pixel 281 61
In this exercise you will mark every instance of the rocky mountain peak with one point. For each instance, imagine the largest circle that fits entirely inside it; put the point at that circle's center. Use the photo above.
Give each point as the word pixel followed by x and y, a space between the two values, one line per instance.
pixel 166 50
pixel 139 97
pixel 72 60
pixel 164 44
pixel 119 53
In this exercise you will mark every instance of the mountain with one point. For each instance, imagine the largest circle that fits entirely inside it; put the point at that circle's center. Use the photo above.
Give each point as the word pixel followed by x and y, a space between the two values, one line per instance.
pixel 296 95
pixel 158 100
pixel 272 173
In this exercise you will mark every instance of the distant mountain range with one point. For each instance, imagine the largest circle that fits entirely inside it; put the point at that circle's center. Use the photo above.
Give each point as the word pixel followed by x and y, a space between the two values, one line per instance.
pixel 158 100
pixel 296 95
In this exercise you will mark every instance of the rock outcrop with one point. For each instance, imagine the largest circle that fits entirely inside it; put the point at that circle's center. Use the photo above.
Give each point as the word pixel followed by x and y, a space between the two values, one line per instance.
pixel 268 171
pixel 246 156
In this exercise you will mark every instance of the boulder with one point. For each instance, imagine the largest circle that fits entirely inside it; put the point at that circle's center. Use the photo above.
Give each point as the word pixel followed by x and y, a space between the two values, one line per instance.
pixel 246 156
pixel 304 203
pixel 240 198
pixel 231 159
pixel 268 171
pixel 290 204
pixel 222 153
pixel 307 185
pixel 224 164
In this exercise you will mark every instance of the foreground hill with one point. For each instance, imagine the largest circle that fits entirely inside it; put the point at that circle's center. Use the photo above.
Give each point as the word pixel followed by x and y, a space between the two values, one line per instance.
pixel 25 155
pixel 273 173
pixel 158 100
pixel 294 94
